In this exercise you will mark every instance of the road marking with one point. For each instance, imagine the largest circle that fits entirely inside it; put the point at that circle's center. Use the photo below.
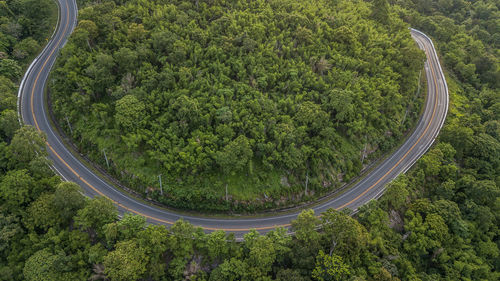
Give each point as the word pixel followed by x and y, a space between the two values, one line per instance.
pixel 215 228
pixel 411 148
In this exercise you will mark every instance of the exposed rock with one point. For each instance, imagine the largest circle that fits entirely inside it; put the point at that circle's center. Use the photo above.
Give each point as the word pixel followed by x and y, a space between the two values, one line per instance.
pixel 284 181
pixel 406 235
pixel 192 268
pixel 395 221
pixel 437 252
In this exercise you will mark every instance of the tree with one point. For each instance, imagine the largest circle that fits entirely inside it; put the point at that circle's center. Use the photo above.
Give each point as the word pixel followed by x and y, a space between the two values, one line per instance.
pixel 182 240
pixel 41 266
pixel 101 74
pixel 10 68
pixel 33 17
pixel 281 239
pixel 39 167
pixel 380 11
pixel 154 240
pixel 128 227
pixel 8 99
pixel 126 59
pixel 9 123
pixel 27 144
pixel 396 194
pixel 16 190
pixel 88 28
pixel 344 235
pixel 305 228
pixel 341 104
pixel 127 262
pixel 311 115
pixel 128 112
pixel 217 245
pixel 330 267
pixel 10 231
pixel 224 114
pixel 42 214
pixel 483 192
pixel 68 200
pixel 307 241
pixel 380 228
pixel 321 66
pixel 231 270
pixel 26 48
pixel 262 254
pixel 235 156
pixel 425 235
pixel 136 32
pixel 289 275
pixel 96 213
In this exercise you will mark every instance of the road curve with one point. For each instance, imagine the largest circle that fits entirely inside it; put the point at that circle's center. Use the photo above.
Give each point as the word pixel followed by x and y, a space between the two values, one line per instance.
pixel 33 112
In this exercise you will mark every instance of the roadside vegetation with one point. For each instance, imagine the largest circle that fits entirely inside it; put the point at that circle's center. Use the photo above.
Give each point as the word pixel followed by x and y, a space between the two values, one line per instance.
pixel 24 27
pixel 238 105
pixel 440 221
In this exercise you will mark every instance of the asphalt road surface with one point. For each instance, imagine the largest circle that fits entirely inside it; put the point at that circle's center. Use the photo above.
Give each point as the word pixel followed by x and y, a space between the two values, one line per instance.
pixel 33 112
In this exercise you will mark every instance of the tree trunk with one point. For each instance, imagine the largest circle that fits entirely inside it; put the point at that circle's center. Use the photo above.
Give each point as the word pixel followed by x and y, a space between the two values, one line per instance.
pixel 307 180
pixel 332 247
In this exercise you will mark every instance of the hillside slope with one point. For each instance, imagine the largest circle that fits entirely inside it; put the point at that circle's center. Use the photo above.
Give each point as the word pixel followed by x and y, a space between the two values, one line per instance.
pixel 264 98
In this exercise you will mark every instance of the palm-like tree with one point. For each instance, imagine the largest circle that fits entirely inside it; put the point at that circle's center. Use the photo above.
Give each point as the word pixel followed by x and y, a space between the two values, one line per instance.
pixel 321 66
pixel 98 274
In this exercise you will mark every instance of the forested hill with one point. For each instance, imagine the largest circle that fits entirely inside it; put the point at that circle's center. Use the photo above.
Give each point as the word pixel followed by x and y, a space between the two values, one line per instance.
pixel 24 27
pixel 440 221
pixel 264 98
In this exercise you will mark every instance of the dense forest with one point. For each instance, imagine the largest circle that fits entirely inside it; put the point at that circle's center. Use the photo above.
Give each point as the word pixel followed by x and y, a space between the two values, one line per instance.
pixel 440 221
pixel 24 27
pixel 238 105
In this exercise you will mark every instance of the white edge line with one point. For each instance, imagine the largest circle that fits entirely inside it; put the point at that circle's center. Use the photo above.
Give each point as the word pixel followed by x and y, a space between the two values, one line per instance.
pixel 26 74
pixel 427 147
pixel 354 211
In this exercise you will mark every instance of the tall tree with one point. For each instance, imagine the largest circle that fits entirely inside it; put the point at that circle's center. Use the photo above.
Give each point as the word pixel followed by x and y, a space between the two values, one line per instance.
pixel 127 262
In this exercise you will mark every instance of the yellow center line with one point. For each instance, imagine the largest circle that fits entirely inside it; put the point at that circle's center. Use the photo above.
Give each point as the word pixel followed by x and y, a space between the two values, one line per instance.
pixel 210 228
pixel 411 148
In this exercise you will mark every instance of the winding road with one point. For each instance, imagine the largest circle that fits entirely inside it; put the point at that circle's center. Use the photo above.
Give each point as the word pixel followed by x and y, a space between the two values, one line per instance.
pixel 33 112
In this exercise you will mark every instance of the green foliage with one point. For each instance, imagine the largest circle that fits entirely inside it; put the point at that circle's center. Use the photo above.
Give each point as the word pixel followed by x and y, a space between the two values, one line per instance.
pixel 41 266
pixel 396 195
pixel 127 262
pixel 42 214
pixel 231 270
pixel 438 222
pixel 305 227
pixel 217 245
pixel 10 69
pixel 95 215
pixel 15 189
pixel 330 267
pixel 8 97
pixel 468 36
pixel 68 200
pixel 27 144
pixel 344 235
pixel 271 93
pixel 129 112
pixel 9 123
pixel 154 240
pixel 10 230
pixel 261 255
pixel 235 156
